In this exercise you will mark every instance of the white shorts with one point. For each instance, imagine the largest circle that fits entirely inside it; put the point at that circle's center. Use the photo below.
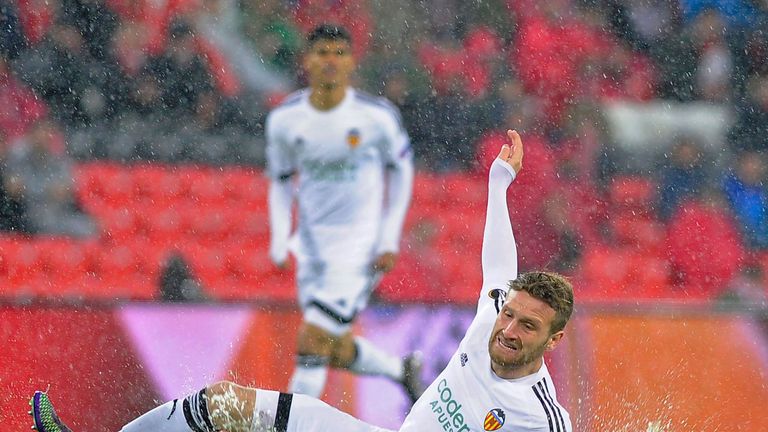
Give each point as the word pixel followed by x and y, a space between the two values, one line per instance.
pixel 332 296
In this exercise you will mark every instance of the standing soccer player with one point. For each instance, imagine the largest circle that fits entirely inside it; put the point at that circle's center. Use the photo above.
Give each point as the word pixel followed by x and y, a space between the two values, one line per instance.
pixel 496 380
pixel 345 158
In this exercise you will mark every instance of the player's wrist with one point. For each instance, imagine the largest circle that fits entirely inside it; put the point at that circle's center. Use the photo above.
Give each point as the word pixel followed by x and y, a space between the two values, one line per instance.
pixel 503 170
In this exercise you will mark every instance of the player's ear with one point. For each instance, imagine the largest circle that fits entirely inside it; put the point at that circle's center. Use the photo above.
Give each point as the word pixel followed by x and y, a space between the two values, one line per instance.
pixel 554 340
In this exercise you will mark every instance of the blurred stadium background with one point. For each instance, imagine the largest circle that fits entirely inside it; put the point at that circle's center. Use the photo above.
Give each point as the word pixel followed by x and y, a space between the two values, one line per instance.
pixel 133 263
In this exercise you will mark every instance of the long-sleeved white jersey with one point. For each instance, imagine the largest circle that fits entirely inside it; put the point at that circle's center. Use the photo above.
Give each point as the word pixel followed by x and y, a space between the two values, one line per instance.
pixel 467 395
pixel 344 161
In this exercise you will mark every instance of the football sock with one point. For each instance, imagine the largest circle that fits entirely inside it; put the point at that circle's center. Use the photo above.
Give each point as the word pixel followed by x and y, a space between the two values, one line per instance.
pixel 271 411
pixel 310 375
pixel 186 415
pixel 370 360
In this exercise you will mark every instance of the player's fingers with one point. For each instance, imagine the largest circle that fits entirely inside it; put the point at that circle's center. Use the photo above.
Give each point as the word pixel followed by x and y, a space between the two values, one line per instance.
pixel 505 152
pixel 515 139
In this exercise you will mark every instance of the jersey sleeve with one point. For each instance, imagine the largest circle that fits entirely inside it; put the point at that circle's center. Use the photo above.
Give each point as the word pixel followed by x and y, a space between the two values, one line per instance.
pixel 281 162
pixel 396 145
pixel 499 255
pixel 281 166
pixel 396 151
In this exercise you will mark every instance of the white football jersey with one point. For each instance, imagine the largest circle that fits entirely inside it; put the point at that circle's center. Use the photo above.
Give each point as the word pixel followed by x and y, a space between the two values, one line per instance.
pixel 339 157
pixel 468 395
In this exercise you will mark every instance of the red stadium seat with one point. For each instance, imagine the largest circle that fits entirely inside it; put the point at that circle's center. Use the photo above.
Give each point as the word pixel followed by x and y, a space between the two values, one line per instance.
pixel 207 188
pixel 168 225
pixel 631 229
pixel 120 224
pixel 209 226
pixel 633 193
pixel 23 263
pixel 463 190
pixel 209 265
pixel 624 273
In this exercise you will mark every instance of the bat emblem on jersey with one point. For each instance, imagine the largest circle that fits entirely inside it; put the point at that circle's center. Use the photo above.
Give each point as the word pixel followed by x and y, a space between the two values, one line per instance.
pixel 498 296
pixel 494 420
pixel 353 138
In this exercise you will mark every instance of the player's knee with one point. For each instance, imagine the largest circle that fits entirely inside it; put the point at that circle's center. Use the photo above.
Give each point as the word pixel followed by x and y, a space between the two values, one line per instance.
pixel 226 390
pixel 344 352
pixel 315 340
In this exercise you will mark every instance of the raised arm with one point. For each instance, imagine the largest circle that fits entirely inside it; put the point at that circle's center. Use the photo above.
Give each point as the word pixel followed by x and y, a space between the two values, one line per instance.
pixel 499 249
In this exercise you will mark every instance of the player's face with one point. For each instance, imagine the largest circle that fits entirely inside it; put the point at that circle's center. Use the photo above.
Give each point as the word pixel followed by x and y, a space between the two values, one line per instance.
pixel 521 335
pixel 329 64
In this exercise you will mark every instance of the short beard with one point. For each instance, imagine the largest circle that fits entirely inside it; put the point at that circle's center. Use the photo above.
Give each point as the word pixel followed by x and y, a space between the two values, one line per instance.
pixel 525 360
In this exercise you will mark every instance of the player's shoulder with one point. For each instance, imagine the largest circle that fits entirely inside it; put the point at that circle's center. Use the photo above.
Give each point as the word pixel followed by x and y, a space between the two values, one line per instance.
pixel 378 105
pixel 290 102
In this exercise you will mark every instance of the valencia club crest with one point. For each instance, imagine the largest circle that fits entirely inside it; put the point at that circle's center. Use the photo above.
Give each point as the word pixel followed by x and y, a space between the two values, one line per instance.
pixel 353 138
pixel 494 420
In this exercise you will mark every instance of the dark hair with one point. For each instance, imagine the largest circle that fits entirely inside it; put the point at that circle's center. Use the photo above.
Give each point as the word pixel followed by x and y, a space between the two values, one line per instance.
pixel 551 288
pixel 328 32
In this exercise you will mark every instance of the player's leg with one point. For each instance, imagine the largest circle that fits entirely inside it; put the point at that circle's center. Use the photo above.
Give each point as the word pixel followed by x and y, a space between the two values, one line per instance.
pixel 355 353
pixel 224 406
pixel 220 406
pixel 314 346
pixel 313 349
pixel 310 414
pixel 362 357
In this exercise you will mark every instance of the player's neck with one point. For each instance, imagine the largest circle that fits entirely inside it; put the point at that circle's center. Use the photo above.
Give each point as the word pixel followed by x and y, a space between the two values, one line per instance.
pixel 516 372
pixel 327 98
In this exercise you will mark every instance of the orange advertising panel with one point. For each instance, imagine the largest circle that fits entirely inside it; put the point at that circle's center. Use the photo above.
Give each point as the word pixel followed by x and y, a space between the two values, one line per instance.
pixel 691 373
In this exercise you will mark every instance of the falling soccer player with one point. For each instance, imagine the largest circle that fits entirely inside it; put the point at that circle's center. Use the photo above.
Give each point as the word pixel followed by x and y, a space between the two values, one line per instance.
pixel 496 380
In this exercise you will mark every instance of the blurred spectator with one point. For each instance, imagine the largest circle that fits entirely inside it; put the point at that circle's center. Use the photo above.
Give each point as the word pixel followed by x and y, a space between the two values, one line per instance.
pixel 737 13
pixel 749 48
pixel 128 47
pixel 747 287
pixel 704 247
pixel 180 74
pixel 751 129
pixel 696 62
pixel 568 244
pixel 580 140
pixel 178 283
pixel 211 113
pixel 12 211
pixel 715 63
pixel 95 22
pixel 682 176
pixel 63 73
pixel 44 174
pixel 21 107
pixel 445 146
pixel 745 189
pixel 267 23
pixel 35 17
pixel 643 23
pixel 11 36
